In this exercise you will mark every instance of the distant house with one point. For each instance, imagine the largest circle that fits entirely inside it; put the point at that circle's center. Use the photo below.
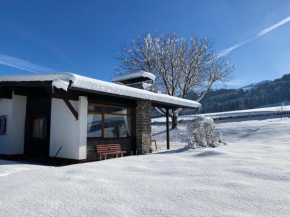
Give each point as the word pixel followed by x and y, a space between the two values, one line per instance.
pixel 66 115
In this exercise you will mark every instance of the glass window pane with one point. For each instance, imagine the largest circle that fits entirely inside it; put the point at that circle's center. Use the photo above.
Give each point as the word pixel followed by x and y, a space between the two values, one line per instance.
pixel 123 111
pixel 40 128
pixel 94 126
pixel 35 128
pixel 95 108
pixel 117 126
pixel 4 125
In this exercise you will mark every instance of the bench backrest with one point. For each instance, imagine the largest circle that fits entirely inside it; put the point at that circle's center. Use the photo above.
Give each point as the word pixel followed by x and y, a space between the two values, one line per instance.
pixel 108 148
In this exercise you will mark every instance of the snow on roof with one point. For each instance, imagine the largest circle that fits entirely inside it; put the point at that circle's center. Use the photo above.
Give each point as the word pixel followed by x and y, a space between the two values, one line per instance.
pixel 130 76
pixel 86 83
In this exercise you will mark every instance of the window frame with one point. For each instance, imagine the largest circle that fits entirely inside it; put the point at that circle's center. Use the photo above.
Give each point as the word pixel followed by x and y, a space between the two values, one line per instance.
pixel 3 125
pixel 43 130
pixel 103 113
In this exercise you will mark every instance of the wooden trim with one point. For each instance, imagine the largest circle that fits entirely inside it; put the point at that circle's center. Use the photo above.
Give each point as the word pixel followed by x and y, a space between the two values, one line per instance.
pixel 5 92
pixel 103 124
pixel 3 125
pixel 41 84
pixel 111 101
pixel 110 138
pixel 155 103
pixel 108 113
pixel 71 108
pixel 111 106
pixel 61 94
pixel 97 113
pixel 167 129
pixel 33 127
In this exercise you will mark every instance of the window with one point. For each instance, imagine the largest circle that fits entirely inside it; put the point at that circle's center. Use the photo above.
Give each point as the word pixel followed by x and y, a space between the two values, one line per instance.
pixel 95 125
pixel 39 128
pixel 3 125
pixel 109 121
pixel 117 126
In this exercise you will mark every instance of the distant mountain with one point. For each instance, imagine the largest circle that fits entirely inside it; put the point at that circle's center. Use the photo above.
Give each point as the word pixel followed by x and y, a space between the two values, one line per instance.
pixel 252 96
pixel 255 85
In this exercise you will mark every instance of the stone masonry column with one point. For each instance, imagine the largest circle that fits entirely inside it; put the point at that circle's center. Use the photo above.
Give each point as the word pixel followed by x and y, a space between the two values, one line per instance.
pixel 143 126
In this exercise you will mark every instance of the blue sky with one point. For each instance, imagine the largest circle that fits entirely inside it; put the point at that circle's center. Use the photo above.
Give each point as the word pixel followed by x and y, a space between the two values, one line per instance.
pixel 83 36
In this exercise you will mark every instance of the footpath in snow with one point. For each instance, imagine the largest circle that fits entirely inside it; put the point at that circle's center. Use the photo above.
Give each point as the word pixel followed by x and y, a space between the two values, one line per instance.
pixel 248 177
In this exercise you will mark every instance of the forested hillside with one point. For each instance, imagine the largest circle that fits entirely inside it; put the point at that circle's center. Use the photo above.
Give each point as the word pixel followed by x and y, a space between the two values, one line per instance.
pixel 237 99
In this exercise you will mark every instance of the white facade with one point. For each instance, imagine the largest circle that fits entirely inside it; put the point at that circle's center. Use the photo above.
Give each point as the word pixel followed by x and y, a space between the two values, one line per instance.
pixel 15 109
pixel 66 131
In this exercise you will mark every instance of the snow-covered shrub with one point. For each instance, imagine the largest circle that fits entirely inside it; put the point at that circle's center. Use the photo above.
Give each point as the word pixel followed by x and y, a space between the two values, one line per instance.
pixel 196 133
pixel 202 133
pixel 218 137
pixel 191 144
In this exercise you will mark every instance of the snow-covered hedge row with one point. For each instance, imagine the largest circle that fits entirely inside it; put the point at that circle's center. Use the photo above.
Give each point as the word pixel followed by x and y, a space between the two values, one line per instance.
pixel 251 115
pixel 230 117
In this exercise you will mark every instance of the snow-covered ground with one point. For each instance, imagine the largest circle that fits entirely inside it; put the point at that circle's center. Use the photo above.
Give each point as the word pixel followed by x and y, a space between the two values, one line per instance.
pixel 232 113
pixel 9 167
pixel 248 177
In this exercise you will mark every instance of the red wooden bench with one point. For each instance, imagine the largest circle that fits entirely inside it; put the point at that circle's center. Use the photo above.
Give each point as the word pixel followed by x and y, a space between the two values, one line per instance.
pixel 109 149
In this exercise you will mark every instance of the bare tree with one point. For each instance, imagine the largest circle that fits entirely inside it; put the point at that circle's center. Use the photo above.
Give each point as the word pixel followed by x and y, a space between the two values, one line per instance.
pixel 181 65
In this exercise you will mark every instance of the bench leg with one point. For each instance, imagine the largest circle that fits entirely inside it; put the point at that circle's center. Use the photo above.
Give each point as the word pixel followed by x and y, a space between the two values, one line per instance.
pixel 100 157
pixel 117 155
pixel 122 154
pixel 105 157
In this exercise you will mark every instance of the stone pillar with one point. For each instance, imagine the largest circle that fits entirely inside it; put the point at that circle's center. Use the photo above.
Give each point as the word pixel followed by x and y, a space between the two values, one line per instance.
pixel 143 126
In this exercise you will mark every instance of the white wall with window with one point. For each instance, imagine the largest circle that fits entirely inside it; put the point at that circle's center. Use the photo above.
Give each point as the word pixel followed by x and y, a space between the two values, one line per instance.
pixel 12 126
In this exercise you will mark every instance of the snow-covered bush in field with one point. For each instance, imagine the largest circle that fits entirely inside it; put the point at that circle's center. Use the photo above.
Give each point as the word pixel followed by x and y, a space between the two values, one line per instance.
pixel 201 132
pixel 196 133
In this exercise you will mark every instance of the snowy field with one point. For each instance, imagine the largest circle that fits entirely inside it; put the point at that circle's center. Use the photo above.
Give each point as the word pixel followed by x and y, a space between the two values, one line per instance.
pixel 9 167
pixel 231 113
pixel 248 177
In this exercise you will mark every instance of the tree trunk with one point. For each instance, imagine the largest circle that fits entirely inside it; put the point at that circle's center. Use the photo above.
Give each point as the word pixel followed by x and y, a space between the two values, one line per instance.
pixel 174 119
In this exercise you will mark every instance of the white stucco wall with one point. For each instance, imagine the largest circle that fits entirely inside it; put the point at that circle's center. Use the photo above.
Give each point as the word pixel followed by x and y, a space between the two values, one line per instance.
pixel 66 131
pixel 15 110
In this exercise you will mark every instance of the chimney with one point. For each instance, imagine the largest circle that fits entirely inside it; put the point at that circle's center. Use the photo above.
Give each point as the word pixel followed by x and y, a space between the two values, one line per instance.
pixel 141 80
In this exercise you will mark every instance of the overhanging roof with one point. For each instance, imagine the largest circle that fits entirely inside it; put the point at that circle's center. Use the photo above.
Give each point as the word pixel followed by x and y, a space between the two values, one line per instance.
pixel 79 82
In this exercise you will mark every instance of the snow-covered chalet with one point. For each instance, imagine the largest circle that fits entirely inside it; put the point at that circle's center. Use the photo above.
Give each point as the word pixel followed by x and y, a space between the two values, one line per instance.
pixel 64 115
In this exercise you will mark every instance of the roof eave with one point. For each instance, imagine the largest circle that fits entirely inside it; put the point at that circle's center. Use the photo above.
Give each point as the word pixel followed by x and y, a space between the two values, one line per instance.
pixel 154 102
